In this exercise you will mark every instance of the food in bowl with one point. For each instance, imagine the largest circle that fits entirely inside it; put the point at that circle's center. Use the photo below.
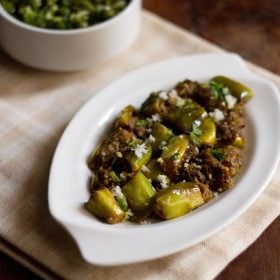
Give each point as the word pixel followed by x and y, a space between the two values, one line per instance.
pixel 178 151
pixel 64 14
pixel 69 49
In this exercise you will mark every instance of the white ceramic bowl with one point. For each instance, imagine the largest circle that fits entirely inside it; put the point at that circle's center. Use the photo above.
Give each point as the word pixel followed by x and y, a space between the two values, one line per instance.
pixel 125 243
pixel 69 50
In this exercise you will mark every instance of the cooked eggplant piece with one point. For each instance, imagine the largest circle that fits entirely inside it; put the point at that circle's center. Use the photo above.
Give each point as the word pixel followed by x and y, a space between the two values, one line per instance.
pixel 153 172
pixel 177 200
pixel 139 192
pixel 208 136
pixel 239 90
pixel 139 156
pixel 183 117
pixel 161 134
pixel 204 132
pixel 103 205
pixel 173 154
pixel 126 118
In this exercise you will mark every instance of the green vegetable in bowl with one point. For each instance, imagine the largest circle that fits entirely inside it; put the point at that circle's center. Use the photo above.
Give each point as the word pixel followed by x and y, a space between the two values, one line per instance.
pixel 103 205
pixel 239 90
pixel 139 192
pixel 161 134
pixel 204 132
pixel 177 200
pixel 183 117
pixel 179 150
pixel 172 155
pixel 63 14
pixel 139 156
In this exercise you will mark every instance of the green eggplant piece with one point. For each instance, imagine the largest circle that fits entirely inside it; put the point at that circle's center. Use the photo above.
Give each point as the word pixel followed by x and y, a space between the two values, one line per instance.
pixel 208 129
pixel 139 192
pixel 137 160
pixel 183 117
pixel 177 200
pixel 172 155
pixel 103 205
pixel 239 90
pixel 161 134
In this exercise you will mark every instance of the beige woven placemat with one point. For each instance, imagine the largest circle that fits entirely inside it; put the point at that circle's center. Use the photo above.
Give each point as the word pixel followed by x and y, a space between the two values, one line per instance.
pixel 35 107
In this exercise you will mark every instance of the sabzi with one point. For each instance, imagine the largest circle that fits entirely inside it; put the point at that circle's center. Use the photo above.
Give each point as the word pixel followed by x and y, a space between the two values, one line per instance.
pixel 177 152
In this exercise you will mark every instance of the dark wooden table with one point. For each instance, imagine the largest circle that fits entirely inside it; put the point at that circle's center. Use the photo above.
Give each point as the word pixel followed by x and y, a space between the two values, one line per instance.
pixel 252 29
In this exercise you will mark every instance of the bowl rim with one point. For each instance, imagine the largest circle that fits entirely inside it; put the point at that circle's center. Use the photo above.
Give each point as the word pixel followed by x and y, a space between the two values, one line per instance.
pixel 94 27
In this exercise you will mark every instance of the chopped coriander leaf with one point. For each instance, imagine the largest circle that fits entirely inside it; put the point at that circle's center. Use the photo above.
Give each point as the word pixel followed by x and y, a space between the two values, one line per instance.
pixel 142 123
pixel 133 143
pixel 115 177
pixel 218 154
pixel 194 138
pixel 122 202
pixel 196 130
pixel 175 156
pixel 195 133
pixel 218 90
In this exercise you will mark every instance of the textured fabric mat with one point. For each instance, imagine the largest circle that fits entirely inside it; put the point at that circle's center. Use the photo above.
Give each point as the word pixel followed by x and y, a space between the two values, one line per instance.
pixel 35 107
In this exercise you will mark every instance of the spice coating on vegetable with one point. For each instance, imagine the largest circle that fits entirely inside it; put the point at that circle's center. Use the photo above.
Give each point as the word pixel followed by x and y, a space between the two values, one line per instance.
pixel 63 14
pixel 180 150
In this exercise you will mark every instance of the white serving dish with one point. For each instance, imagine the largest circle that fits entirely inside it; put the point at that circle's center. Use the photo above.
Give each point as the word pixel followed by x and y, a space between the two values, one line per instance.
pixel 118 244
pixel 69 50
